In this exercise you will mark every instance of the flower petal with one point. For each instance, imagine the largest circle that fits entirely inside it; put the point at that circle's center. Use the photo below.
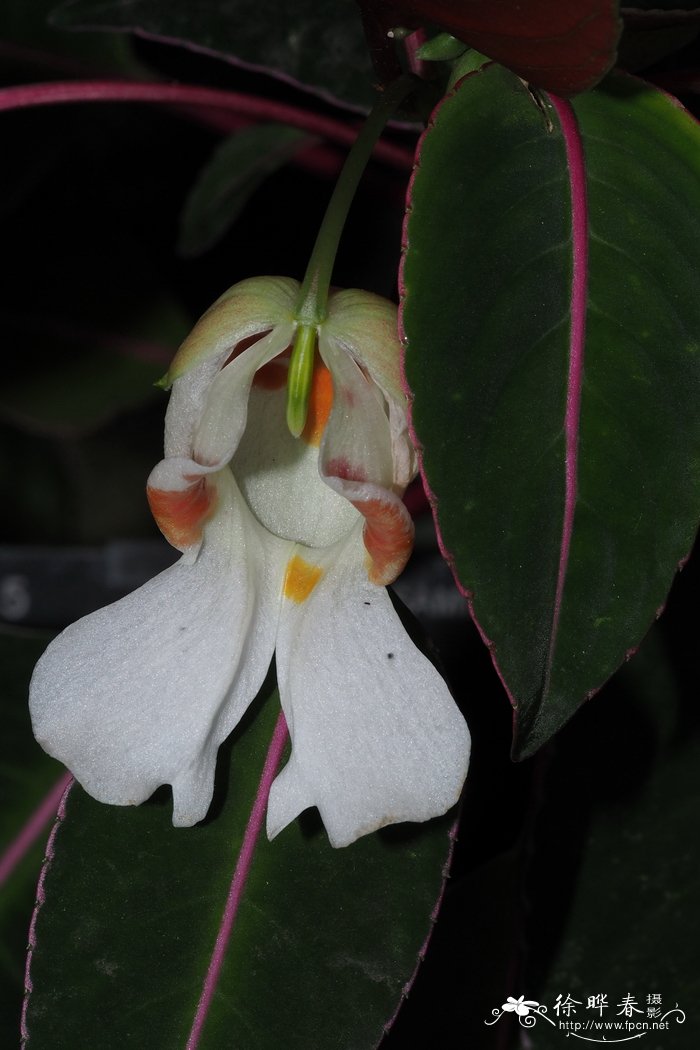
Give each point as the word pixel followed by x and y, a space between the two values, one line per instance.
pixel 279 476
pixel 388 530
pixel 376 736
pixel 206 417
pixel 357 462
pixel 250 307
pixel 357 435
pixel 182 499
pixel 224 412
pixel 142 693
pixel 366 326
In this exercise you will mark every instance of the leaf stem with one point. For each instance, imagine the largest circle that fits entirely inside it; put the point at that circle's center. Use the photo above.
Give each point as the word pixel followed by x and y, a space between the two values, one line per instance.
pixel 313 298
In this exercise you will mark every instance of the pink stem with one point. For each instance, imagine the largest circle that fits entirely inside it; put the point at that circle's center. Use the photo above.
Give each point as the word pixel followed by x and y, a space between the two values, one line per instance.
pixel 240 877
pixel 31 831
pixel 26 95
pixel 577 342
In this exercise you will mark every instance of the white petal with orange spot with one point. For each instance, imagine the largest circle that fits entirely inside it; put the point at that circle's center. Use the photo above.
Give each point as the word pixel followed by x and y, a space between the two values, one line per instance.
pixel 142 693
pixel 376 736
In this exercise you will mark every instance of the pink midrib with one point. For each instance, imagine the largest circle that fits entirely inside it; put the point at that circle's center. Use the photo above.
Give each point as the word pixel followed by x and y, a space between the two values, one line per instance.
pixel 233 900
pixel 31 831
pixel 250 106
pixel 238 882
pixel 578 302
pixel 579 295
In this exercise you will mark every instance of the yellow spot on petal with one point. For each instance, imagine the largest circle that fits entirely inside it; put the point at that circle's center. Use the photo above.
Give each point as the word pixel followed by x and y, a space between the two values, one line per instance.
pixel 320 404
pixel 300 579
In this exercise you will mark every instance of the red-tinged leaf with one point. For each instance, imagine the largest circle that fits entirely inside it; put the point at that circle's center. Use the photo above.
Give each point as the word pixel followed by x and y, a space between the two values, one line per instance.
pixel 563 47
pixel 212 936
pixel 550 273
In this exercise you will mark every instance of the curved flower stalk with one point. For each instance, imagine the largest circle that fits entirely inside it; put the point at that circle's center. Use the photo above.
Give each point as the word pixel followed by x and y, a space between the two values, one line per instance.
pixel 287 546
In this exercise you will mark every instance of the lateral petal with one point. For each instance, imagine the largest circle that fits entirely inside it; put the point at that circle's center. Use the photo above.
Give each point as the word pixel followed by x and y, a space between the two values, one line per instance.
pixel 225 410
pixel 198 388
pixel 182 497
pixel 250 307
pixel 356 442
pixel 366 326
pixel 376 736
pixel 388 528
pixel 357 462
pixel 142 693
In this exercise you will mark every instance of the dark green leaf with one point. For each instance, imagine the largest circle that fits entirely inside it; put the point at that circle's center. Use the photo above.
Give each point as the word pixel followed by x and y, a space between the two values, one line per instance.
pixel 237 168
pixel 621 802
pixel 28 40
pixel 488 281
pixel 322 946
pixel 318 43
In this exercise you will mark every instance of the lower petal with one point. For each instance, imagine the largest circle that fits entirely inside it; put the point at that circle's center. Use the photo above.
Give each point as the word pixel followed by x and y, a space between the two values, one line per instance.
pixel 376 736
pixel 142 693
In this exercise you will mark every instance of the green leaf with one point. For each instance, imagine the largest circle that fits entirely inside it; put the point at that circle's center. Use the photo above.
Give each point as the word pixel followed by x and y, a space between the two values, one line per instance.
pixel 318 43
pixel 621 803
pixel 26 776
pixel 321 948
pixel 239 165
pixel 565 576
pixel 29 40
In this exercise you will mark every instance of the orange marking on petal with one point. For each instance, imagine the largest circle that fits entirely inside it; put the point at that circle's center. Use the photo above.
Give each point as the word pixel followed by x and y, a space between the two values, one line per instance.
pixel 300 579
pixel 388 538
pixel 180 516
pixel 320 404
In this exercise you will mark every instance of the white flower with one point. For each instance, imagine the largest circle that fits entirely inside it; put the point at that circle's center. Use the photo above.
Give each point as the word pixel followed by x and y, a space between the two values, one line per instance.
pixel 287 545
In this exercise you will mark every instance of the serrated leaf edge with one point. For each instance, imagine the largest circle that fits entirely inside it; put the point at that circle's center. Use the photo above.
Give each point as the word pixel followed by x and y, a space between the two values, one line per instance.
pixel 40 900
